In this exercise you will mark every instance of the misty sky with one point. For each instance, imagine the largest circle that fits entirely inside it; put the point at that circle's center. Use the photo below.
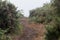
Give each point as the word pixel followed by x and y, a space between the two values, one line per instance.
pixel 27 5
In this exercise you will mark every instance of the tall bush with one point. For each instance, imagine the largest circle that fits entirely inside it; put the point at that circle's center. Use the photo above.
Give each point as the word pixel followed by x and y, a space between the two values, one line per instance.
pixel 9 19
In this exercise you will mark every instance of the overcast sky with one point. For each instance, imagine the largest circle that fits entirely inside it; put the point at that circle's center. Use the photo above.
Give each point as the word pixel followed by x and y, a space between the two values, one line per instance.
pixel 27 5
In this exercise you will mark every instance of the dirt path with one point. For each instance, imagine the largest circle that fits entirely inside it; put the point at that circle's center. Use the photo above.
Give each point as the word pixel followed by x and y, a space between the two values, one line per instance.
pixel 31 31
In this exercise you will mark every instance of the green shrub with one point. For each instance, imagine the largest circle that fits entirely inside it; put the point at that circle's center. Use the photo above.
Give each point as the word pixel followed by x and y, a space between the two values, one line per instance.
pixel 9 20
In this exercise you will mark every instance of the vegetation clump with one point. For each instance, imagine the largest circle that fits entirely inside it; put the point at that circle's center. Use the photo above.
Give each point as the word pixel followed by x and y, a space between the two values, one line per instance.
pixel 9 20
pixel 49 14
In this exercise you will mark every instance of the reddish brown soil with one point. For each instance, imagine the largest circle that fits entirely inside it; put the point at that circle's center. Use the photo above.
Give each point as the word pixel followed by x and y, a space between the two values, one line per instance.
pixel 32 31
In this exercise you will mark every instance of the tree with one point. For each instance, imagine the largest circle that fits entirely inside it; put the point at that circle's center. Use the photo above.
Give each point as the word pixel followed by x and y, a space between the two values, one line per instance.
pixel 49 14
pixel 9 20
pixel 42 14
pixel 53 33
pixel 9 17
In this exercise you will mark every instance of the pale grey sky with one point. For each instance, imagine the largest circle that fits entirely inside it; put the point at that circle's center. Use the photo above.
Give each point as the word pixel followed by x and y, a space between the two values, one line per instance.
pixel 27 5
